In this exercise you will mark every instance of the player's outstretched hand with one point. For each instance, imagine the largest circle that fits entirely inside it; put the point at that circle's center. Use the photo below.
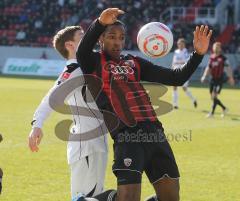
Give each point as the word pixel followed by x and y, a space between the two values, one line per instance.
pixel 201 39
pixel 109 16
pixel 34 139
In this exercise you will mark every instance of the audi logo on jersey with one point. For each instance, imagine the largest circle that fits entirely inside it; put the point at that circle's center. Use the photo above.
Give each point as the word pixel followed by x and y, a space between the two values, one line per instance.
pixel 124 68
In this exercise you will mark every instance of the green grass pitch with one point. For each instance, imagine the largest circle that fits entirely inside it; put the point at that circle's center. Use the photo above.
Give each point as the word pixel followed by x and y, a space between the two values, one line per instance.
pixel 208 159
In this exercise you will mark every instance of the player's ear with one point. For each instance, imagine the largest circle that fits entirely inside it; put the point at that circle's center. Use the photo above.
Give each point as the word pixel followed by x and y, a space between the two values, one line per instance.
pixel 68 45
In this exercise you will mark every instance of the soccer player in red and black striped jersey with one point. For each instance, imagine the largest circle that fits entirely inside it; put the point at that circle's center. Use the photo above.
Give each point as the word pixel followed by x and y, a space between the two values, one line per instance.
pixel 218 63
pixel 139 143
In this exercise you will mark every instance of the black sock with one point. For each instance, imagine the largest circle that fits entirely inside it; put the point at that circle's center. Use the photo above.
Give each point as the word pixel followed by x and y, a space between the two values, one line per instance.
pixel 109 195
pixel 220 103
pixel 214 105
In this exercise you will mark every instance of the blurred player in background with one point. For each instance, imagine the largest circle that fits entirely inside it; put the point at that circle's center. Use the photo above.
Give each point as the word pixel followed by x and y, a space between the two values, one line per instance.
pixel 87 159
pixel 216 66
pixel 180 57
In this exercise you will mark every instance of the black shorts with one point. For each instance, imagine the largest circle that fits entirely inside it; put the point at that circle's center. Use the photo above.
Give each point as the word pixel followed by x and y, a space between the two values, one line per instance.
pixel 216 86
pixel 154 157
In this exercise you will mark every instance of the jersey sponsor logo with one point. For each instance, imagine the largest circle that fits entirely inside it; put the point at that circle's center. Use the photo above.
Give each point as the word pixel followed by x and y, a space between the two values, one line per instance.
pixel 125 68
pixel 127 162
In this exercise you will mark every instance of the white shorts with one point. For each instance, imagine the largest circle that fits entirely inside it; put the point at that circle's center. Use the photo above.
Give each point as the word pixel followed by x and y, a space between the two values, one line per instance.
pixel 88 174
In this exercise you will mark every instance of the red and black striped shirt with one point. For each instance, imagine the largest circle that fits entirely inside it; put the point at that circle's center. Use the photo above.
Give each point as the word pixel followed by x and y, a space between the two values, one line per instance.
pixel 216 66
pixel 121 83
pixel 122 92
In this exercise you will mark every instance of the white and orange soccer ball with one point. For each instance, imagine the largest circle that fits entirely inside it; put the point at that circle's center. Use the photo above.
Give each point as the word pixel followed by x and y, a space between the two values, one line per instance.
pixel 155 39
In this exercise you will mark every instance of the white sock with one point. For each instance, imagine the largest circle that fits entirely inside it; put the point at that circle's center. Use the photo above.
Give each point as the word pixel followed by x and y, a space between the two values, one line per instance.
pixel 175 98
pixel 189 94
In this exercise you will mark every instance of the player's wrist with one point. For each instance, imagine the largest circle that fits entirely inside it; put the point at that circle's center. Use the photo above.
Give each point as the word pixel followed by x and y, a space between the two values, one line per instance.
pixel 198 53
pixel 101 22
pixel 36 124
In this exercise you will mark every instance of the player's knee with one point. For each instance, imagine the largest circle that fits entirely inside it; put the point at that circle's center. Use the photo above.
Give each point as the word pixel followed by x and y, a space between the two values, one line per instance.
pixel 167 190
pixel 129 185
pixel 169 196
pixel 128 177
pixel 214 95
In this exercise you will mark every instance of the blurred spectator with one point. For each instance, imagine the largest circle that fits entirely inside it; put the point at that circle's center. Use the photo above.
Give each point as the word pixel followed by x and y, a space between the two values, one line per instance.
pixel 23 18
pixel 238 49
pixel 44 55
pixel 209 3
pixel 4 23
pixel 38 24
pixel 4 39
pixel 61 3
pixel 21 36
pixel 230 12
pixel 234 45
pixel 72 2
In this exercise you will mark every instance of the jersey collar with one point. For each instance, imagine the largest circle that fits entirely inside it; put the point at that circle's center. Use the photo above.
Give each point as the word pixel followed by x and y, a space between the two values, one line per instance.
pixel 71 61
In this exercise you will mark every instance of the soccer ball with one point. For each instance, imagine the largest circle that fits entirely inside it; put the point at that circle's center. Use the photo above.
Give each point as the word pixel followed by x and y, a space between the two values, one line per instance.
pixel 155 39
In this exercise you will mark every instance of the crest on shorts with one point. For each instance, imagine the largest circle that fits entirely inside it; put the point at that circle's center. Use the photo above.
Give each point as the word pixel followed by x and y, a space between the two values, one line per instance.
pixel 127 162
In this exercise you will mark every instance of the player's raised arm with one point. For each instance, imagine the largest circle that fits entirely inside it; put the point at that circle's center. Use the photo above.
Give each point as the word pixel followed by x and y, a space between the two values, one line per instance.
pixel 168 76
pixel 177 77
pixel 85 54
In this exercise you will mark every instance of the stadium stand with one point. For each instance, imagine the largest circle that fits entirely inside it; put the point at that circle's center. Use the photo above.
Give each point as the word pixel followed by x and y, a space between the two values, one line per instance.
pixel 33 23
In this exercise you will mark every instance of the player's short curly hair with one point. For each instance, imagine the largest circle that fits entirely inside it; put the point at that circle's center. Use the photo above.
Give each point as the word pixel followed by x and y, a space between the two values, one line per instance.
pixel 117 23
pixel 62 36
